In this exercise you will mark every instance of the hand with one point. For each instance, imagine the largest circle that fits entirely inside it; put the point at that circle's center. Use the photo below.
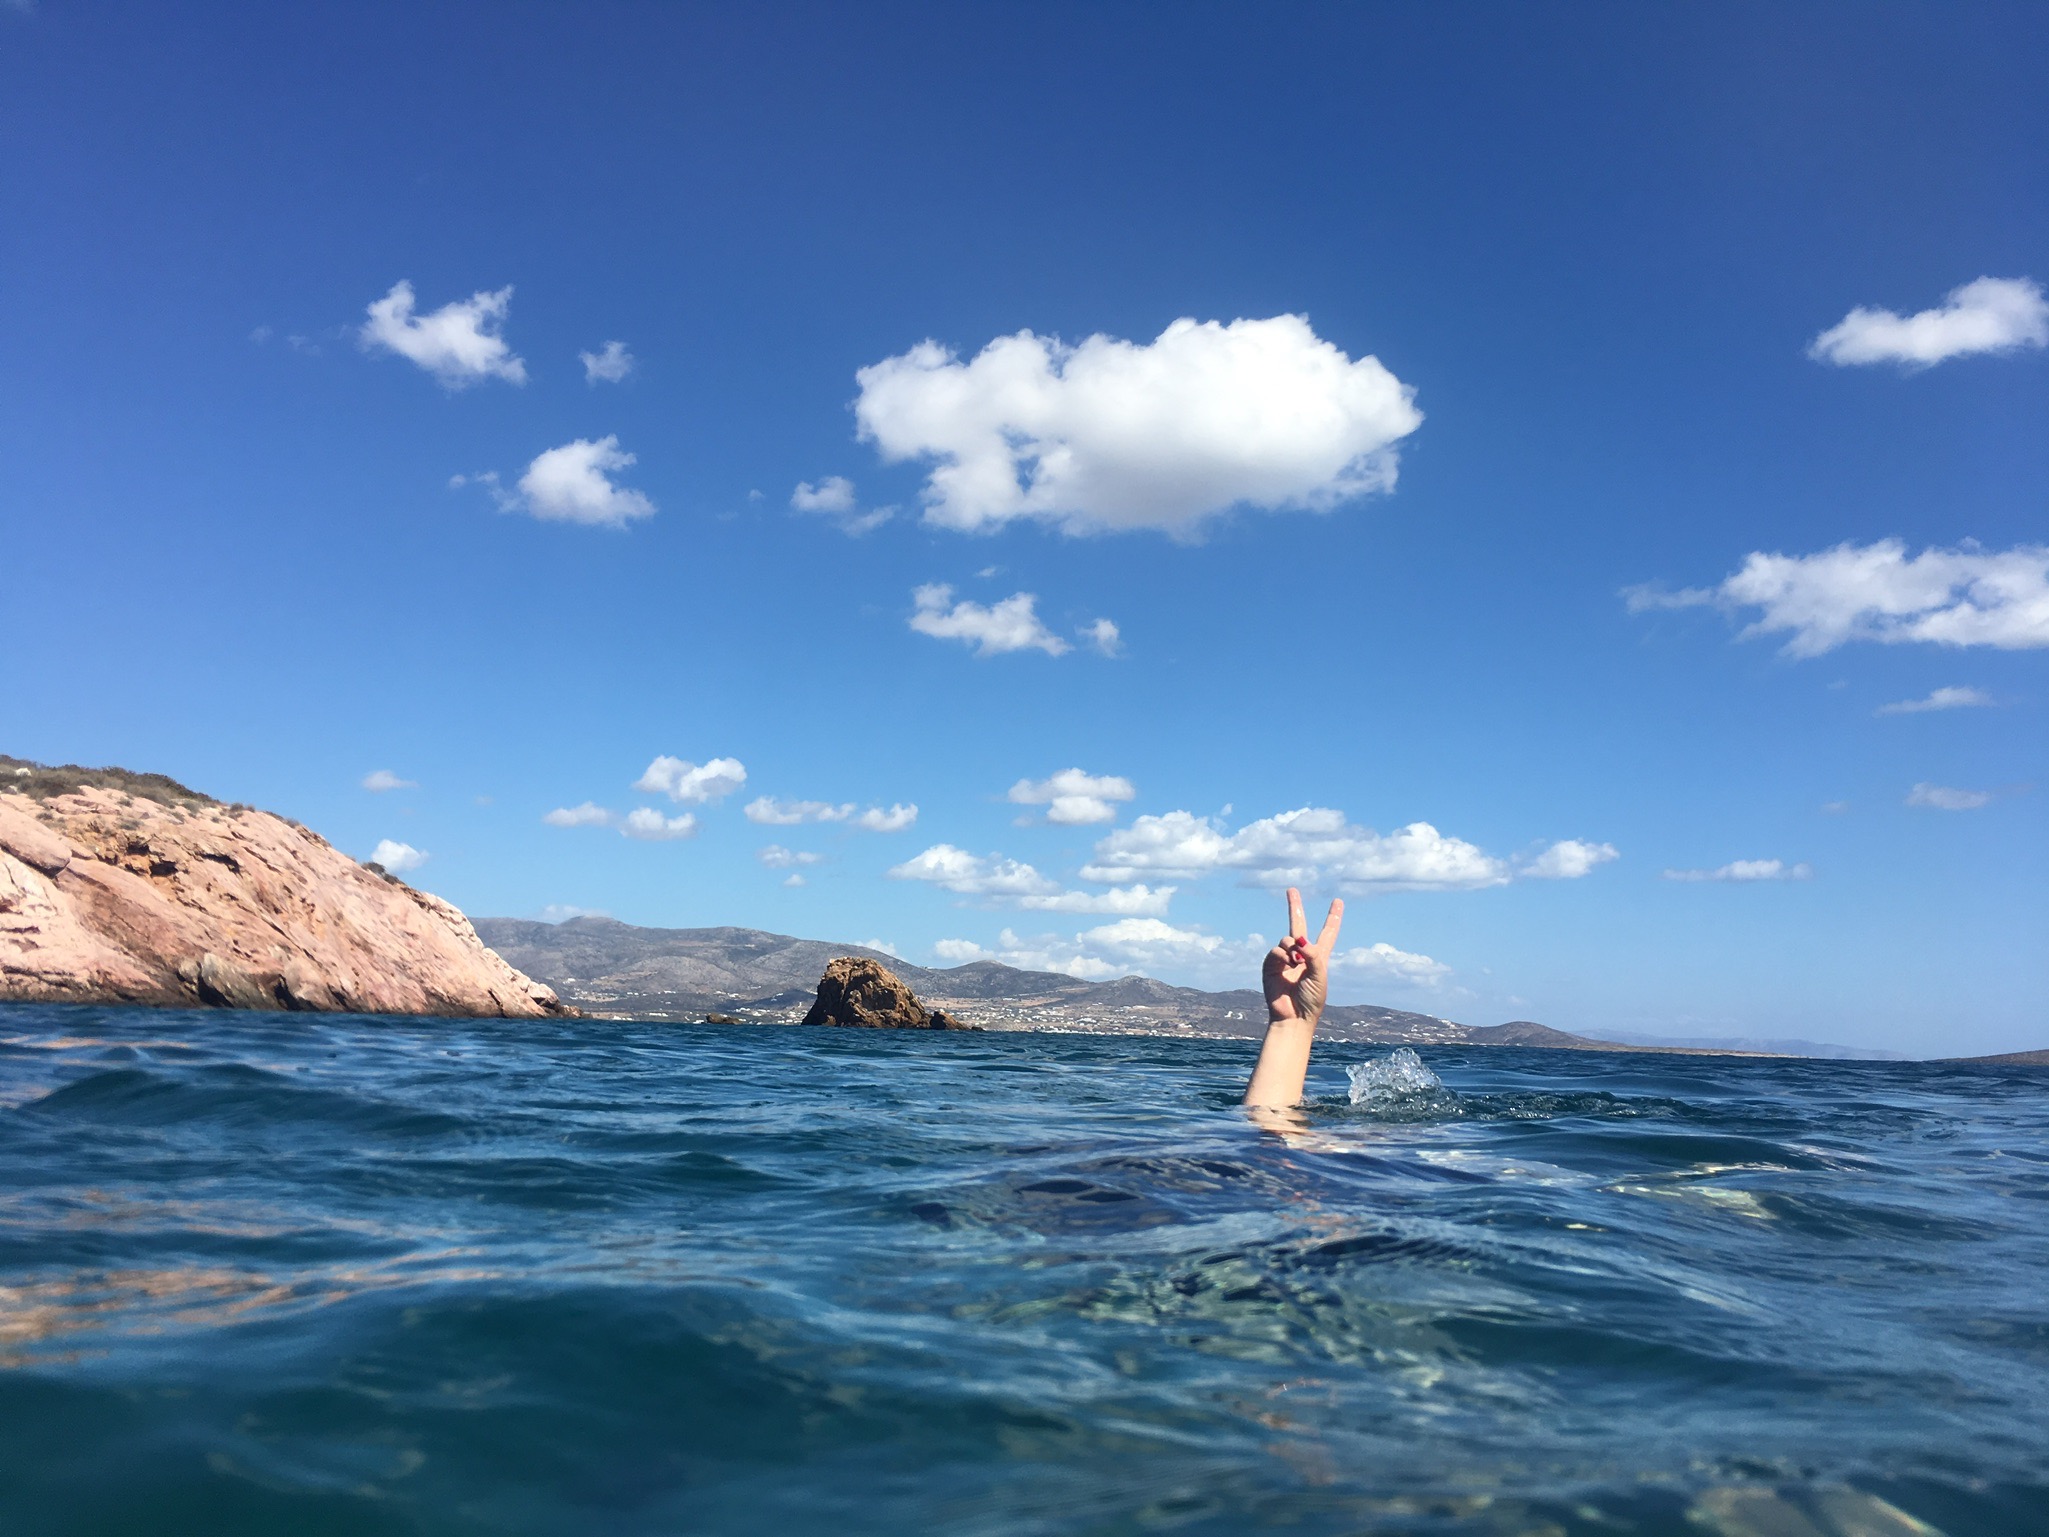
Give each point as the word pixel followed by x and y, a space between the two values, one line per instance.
pixel 1297 973
pixel 1297 978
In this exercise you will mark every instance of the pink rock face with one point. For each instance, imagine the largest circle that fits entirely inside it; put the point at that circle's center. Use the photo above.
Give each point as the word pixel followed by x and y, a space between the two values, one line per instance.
pixel 107 898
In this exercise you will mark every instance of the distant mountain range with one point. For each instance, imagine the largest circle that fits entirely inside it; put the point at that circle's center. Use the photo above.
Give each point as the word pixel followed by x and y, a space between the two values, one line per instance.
pixel 608 967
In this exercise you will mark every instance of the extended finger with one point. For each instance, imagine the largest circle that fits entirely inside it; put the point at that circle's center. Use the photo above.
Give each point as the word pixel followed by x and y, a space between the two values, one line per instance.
pixel 1328 939
pixel 1298 925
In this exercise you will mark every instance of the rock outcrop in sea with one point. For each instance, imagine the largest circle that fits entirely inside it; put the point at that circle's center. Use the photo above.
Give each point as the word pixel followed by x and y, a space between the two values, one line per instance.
pixel 865 994
pixel 129 888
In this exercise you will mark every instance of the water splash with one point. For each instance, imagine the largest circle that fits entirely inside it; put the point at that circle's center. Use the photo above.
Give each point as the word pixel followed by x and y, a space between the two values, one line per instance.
pixel 1398 1078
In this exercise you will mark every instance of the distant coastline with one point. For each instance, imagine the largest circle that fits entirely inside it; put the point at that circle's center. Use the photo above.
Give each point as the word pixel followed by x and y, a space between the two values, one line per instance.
pixel 119 887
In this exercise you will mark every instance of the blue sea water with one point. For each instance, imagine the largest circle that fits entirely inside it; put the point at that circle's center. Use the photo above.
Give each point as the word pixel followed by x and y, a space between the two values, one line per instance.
pixel 328 1275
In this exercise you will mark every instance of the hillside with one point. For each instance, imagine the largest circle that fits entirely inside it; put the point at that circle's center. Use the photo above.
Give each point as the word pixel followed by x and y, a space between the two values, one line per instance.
pixel 130 888
pixel 610 967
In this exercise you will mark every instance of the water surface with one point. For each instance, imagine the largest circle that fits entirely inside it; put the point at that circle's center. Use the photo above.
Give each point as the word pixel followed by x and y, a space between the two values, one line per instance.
pixel 292 1274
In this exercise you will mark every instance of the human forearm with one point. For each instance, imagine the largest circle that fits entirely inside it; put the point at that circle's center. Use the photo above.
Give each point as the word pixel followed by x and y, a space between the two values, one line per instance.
pixel 1295 979
pixel 1283 1064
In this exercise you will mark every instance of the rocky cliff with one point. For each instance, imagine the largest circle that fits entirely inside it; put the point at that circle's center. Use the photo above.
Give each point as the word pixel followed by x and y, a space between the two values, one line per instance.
pixel 119 887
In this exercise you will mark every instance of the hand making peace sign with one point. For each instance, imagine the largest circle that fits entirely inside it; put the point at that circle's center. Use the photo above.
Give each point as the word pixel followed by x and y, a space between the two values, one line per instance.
pixel 1296 977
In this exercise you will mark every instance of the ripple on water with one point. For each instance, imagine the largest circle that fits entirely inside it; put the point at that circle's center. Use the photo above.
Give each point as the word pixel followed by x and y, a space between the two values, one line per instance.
pixel 262 1274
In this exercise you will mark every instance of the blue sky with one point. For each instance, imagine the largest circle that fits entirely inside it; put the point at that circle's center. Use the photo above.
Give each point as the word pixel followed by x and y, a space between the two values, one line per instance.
pixel 1608 261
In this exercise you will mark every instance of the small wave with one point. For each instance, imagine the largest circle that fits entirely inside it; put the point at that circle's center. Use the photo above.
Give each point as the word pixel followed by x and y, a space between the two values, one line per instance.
pixel 1398 1079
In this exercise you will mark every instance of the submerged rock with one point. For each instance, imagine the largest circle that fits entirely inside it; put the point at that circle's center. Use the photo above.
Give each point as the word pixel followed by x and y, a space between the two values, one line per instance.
pixel 128 888
pixel 865 994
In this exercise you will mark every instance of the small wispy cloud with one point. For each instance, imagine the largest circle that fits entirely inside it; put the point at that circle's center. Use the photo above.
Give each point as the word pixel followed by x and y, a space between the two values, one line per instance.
pixel 682 780
pixel 893 819
pixel 397 857
pixel 833 497
pixel 1104 635
pixel 1747 870
pixel 562 912
pixel 992 629
pixel 650 826
pixel 1947 798
pixel 608 366
pixel 643 823
pixel 383 781
pixel 1074 797
pixel 1567 860
pixel 459 344
pixel 589 814
pixel 1384 963
pixel 1940 699
pixel 776 857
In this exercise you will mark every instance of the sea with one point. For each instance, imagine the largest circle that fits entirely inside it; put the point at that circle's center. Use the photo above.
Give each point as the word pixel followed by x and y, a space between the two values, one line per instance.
pixel 311 1275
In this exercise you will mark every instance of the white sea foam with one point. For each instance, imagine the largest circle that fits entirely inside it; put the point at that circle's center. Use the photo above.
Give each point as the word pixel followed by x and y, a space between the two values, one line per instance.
pixel 1392 1079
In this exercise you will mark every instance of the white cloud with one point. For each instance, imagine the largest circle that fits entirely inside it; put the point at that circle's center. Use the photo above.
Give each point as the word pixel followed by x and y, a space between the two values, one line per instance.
pixel 397 857
pixel 682 780
pixel 1007 626
pixel 572 484
pixel 1144 945
pixel 794 879
pixel 458 344
pixel 1137 901
pixel 898 817
pixel 971 875
pixel 834 498
pixel 380 781
pixel 643 822
pixel 1961 597
pixel 1073 797
pixel 882 945
pixel 1385 963
pixel 776 857
pixel 609 366
pixel 1104 635
pixel 1747 870
pixel 834 494
pixel 1989 315
pixel 562 912
pixel 1835 808
pixel 1568 860
pixel 1296 848
pixel 650 826
pixel 770 812
pixel 1940 699
pixel 1009 882
pixel 586 815
pixel 1176 844
pixel 1110 435
pixel 1947 798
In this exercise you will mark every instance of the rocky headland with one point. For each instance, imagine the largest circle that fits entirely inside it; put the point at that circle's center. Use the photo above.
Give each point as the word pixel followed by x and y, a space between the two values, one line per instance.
pixel 130 888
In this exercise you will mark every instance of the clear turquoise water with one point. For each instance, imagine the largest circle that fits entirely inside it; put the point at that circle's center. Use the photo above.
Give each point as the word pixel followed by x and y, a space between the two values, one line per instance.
pixel 274 1274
